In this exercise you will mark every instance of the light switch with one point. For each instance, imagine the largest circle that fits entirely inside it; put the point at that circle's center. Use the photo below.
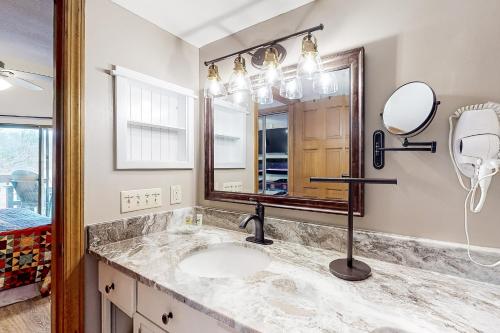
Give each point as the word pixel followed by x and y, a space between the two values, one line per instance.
pixel 130 201
pixel 175 194
pixel 152 197
pixel 232 187
pixel 133 200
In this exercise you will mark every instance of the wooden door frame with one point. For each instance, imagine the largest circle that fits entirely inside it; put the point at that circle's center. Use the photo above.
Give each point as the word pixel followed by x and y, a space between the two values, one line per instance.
pixel 288 109
pixel 67 315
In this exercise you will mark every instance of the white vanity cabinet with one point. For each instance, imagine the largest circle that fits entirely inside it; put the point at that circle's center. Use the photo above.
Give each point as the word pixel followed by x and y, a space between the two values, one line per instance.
pixel 116 288
pixel 174 316
pixel 152 311
pixel 142 325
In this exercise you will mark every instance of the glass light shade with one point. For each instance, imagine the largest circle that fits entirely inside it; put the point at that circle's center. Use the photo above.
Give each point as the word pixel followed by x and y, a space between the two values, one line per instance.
pixel 241 98
pixel 4 84
pixel 309 62
pixel 214 87
pixel 239 80
pixel 291 88
pixel 263 94
pixel 271 67
pixel 325 83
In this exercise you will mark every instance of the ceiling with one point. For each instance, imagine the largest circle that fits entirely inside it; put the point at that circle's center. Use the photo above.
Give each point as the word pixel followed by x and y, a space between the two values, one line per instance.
pixel 26 34
pixel 201 22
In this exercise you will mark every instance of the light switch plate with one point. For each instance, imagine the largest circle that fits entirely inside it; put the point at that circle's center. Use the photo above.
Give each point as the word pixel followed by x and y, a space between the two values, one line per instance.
pixel 133 200
pixel 175 194
pixel 232 187
pixel 152 198
pixel 130 201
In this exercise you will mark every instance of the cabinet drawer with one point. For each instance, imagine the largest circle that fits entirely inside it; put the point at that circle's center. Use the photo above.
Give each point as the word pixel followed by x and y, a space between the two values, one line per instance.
pixel 156 306
pixel 118 288
pixel 142 325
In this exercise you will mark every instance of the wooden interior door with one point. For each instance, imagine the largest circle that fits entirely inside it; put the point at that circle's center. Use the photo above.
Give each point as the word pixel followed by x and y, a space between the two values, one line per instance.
pixel 321 146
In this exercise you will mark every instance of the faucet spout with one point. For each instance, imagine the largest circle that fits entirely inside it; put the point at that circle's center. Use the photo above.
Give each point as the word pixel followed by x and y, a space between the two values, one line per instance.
pixel 244 222
pixel 258 219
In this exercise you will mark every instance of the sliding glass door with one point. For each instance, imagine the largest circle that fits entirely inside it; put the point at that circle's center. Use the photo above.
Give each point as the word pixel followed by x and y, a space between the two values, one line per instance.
pixel 26 168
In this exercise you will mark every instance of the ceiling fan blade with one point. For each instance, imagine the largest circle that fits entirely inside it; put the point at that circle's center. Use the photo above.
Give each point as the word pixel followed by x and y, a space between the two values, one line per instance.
pixel 21 83
pixel 30 75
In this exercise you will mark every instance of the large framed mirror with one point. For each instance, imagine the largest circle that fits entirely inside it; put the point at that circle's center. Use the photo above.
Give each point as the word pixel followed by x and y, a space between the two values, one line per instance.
pixel 268 152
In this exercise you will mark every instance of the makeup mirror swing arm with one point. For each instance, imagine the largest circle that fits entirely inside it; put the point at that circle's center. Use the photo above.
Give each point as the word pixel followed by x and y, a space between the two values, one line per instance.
pixel 379 148
pixel 349 268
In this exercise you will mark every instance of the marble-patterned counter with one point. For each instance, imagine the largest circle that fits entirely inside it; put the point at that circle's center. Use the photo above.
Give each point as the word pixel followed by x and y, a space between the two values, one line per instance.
pixel 296 292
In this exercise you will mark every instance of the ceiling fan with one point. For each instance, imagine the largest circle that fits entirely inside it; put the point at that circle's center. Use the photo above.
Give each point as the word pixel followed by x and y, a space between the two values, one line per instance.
pixel 13 77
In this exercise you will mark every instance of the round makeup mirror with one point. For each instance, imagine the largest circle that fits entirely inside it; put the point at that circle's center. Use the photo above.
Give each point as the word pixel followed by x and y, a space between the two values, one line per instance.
pixel 410 109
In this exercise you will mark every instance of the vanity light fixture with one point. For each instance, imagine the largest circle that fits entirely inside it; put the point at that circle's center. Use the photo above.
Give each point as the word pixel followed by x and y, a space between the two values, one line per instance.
pixel 4 84
pixel 271 75
pixel 271 66
pixel 291 88
pixel 214 87
pixel 325 83
pixel 239 80
pixel 263 93
pixel 309 62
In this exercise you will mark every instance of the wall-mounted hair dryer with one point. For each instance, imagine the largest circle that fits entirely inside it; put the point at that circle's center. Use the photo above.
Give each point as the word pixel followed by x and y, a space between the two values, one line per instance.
pixel 475 152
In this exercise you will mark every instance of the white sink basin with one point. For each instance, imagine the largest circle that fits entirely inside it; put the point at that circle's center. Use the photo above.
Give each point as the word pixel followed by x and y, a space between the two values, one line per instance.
pixel 225 260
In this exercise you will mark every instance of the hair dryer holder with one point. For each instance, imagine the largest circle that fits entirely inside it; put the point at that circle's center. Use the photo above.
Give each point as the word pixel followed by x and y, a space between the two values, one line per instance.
pixel 379 148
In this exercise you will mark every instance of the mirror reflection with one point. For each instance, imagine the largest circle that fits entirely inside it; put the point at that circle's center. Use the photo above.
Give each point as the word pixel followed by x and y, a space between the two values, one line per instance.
pixel 274 148
pixel 410 109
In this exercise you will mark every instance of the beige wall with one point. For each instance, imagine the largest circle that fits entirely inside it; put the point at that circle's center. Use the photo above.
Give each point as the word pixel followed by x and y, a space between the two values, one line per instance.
pixel 115 36
pixel 452 45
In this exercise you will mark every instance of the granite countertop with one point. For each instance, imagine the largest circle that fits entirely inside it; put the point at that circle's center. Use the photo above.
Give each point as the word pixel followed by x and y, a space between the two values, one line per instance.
pixel 297 293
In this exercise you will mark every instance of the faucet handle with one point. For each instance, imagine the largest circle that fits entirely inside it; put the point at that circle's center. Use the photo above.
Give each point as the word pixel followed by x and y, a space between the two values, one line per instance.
pixel 259 209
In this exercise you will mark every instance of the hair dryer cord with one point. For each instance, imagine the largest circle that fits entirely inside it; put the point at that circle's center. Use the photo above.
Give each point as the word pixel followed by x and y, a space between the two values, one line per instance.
pixel 466 211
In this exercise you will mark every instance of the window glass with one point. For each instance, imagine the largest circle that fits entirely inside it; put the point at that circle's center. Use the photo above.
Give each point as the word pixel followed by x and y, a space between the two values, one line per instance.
pixel 25 154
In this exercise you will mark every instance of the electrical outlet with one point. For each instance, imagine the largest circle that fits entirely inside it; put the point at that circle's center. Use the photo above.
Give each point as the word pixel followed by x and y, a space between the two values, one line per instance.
pixel 175 194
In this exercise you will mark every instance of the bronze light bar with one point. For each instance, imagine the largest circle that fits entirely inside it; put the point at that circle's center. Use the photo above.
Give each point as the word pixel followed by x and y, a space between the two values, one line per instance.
pixel 270 43
pixel 349 268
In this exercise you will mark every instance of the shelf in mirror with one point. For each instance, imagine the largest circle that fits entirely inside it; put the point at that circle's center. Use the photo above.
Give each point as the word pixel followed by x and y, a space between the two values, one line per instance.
pixel 157 126
pixel 226 137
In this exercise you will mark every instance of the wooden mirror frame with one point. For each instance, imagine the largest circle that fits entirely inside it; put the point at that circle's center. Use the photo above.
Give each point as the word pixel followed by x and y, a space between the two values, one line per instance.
pixel 352 60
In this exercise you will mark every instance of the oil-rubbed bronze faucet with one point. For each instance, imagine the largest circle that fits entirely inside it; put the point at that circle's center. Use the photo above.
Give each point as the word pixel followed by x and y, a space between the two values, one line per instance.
pixel 258 219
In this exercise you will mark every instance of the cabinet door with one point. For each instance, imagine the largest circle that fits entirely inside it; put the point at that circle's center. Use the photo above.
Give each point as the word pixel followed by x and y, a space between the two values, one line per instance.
pixel 142 325
pixel 118 288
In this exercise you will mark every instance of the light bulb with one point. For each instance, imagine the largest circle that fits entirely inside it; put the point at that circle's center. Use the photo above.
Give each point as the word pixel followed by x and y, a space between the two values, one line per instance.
pixel 325 83
pixel 240 98
pixel 271 66
pixel 4 84
pixel 291 88
pixel 309 61
pixel 264 94
pixel 239 80
pixel 213 85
